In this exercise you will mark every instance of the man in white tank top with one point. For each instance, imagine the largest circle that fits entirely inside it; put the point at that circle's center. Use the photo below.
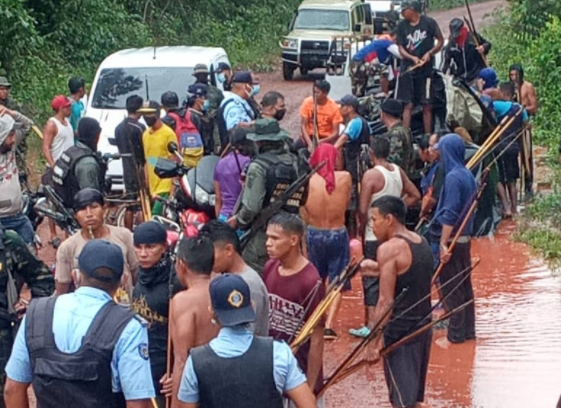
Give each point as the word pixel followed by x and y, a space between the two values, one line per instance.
pixel 382 180
pixel 58 136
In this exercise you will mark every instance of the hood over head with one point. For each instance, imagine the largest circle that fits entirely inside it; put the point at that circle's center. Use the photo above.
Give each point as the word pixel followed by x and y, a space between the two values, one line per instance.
pixel 88 132
pixel 6 126
pixel 452 151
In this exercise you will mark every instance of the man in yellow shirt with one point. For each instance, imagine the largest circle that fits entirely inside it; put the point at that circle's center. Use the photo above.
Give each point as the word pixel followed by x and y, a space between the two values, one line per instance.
pixel 155 141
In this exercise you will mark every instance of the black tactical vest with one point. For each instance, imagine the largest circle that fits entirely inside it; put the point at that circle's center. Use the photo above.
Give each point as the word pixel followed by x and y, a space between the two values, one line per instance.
pixel 64 178
pixel 80 379
pixel 279 177
pixel 246 381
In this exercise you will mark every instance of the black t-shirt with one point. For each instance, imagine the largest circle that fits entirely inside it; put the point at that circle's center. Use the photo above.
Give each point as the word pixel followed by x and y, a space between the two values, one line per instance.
pixel 128 135
pixel 418 40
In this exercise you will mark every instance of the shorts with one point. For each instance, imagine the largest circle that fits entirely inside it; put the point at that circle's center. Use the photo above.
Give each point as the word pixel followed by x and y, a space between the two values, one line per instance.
pixel 507 165
pixel 415 89
pixel 405 370
pixel 370 285
pixel 329 252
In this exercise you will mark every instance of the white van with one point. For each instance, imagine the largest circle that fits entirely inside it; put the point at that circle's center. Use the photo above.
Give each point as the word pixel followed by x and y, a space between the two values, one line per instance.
pixel 148 72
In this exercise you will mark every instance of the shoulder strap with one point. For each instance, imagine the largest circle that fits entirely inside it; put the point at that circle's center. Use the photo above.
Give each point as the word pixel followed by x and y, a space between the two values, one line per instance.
pixel 108 325
pixel 39 324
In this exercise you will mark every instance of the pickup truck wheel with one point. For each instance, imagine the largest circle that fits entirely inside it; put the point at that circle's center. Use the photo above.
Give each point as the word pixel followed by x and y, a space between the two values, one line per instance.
pixel 287 71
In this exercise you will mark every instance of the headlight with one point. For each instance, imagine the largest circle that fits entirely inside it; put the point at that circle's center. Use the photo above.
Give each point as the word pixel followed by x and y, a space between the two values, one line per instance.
pixel 341 46
pixel 290 43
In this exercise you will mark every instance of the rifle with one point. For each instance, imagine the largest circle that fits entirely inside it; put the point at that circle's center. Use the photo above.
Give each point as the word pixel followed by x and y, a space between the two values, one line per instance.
pixel 275 206
pixel 471 26
pixel 315 136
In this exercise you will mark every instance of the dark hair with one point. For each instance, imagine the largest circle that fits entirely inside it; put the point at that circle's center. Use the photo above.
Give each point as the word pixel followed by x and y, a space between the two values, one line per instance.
pixel 88 131
pixel 507 88
pixel 217 231
pixel 75 83
pixel 391 205
pixel 424 143
pixel 290 223
pixel 134 103
pixel 380 146
pixel 518 68
pixel 323 85
pixel 169 99
pixel 271 98
pixel 109 285
pixel 197 254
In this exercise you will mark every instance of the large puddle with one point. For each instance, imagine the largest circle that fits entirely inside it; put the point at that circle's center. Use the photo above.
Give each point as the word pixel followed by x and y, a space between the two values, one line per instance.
pixel 515 361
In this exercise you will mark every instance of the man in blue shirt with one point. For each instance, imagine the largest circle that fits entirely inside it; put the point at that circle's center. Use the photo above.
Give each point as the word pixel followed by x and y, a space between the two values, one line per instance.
pixel 234 369
pixel 235 107
pixel 69 350
pixel 77 88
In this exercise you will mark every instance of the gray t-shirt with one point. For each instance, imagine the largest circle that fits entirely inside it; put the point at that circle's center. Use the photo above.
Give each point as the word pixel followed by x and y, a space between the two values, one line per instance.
pixel 260 299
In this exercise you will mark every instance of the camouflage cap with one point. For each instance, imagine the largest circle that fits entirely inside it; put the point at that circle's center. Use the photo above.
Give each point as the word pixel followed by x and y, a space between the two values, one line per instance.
pixel 4 82
pixel 268 129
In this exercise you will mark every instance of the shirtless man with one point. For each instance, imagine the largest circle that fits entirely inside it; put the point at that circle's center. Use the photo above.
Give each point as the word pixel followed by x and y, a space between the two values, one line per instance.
pixel 384 179
pixel 327 238
pixel 526 96
pixel 190 316
pixel 404 262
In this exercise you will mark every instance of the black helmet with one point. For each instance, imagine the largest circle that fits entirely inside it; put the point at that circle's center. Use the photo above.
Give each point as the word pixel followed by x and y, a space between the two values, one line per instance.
pixel 170 100
pixel 456 26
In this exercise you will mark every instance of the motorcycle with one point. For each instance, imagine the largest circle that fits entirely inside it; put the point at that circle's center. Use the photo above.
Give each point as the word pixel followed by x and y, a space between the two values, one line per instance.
pixel 30 198
pixel 192 204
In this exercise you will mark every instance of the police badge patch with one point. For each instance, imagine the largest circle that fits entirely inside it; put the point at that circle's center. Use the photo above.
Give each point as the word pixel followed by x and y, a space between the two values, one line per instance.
pixel 143 351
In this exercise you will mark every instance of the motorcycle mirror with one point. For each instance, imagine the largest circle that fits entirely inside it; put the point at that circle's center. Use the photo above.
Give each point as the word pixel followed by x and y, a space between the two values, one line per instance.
pixel 172 147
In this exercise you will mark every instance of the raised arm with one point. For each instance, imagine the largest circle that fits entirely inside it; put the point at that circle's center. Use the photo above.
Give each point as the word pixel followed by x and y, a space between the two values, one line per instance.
pixel 49 133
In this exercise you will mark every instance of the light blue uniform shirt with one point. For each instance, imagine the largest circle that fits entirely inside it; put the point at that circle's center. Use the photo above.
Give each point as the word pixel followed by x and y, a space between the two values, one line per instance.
pixel 233 342
pixel 353 129
pixel 73 315
pixel 236 111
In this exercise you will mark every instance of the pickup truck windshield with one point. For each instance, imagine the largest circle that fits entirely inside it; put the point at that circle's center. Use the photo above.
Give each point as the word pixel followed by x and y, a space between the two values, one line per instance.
pixel 115 85
pixel 317 19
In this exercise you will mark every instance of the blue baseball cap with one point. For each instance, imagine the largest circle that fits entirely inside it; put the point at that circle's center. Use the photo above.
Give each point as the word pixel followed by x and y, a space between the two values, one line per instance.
pixel 243 77
pixel 489 76
pixel 231 300
pixel 99 253
pixel 349 100
pixel 198 89
pixel 222 66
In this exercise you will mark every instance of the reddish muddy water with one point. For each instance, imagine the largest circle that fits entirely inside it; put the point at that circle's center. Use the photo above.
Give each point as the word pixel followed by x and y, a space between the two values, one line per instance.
pixel 515 362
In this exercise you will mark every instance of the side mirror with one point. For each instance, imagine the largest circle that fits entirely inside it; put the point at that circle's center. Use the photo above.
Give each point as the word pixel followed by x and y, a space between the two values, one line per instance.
pixel 112 141
pixel 172 147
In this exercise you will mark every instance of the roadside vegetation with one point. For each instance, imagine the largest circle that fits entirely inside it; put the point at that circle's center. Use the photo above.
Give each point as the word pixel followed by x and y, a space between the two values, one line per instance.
pixel 530 33
pixel 449 4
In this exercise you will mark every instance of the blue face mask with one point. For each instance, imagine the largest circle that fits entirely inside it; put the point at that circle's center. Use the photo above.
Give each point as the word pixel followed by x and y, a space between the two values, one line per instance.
pixel 206 105
pixel 221 78
pixel 255 89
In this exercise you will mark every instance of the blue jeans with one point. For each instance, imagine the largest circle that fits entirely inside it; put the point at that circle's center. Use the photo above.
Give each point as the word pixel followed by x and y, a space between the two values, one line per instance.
pixel 20 224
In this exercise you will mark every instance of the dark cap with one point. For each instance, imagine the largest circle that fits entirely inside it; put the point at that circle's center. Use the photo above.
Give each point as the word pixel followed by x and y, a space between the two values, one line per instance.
pixel 87 196
pixel 392 107
pixel 238 136
pixel 349 100
pixel 99 253
pixel 222 66
pixel 412 4
pixel 231 300
pixel 150 232
pixel 456 26
pixel 170 100
pixel 197 89
pixel 149 107
pixel 242 77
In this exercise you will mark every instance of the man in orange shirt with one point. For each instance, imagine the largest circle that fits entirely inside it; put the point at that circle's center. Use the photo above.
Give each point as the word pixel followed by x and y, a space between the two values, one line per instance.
pixel 328 116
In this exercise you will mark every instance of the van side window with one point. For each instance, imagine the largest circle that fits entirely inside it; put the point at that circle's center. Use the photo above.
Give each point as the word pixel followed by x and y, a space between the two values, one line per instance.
pixel 367 14
pixel 354 18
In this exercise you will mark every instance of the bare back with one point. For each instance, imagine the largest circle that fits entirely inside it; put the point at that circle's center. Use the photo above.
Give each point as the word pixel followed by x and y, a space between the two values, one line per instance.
pixel 324 210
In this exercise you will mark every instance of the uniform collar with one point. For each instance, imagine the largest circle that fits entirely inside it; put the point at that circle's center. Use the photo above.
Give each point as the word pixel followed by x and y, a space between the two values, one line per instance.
pixel 234 332
pixel 92 292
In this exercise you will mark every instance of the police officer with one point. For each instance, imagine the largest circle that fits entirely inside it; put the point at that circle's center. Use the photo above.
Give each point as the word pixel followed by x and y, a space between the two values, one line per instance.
pixel 236 109
pixel 79 166
pixel 401 144
pixel 16 261
pixel 234 369
pixel 267 176
pixel 224 75
pixel 82 349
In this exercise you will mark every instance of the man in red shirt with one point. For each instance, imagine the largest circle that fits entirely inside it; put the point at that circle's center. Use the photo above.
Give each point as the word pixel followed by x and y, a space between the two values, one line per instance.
pixel 295 290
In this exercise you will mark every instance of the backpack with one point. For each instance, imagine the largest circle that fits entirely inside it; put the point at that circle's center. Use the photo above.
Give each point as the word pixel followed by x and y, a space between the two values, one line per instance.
pixel 189 139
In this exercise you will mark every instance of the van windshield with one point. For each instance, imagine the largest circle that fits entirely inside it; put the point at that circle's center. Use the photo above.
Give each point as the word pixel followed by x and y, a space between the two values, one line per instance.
pixel 115 85
pixel 317 19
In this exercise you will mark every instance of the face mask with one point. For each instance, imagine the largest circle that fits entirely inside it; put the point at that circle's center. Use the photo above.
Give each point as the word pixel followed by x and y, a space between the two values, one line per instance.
pixel 221 78
pixel 150 120
pixel 279 114
pixel 206 105
pixel 255 89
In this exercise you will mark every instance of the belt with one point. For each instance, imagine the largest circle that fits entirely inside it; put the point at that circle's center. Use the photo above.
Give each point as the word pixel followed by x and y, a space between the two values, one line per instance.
pixel 462 240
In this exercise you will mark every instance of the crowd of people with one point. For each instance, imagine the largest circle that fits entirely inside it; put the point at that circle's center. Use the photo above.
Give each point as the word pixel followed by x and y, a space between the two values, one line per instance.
pixel 201 311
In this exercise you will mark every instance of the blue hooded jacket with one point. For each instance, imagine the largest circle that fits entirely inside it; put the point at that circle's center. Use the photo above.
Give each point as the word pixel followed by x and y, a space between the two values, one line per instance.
pixel 459 188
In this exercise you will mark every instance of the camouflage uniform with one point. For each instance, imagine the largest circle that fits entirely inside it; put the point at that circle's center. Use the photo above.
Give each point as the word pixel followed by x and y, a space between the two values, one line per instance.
pixel 24 267
pixel 214 97
pixel 401 147
pixel 361 72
